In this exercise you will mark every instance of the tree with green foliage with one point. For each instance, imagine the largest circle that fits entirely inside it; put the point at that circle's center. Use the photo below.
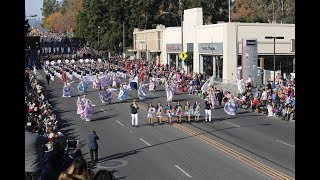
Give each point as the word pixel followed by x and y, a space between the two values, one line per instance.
pixel 266 11
pixel 49 7
pixel 142 14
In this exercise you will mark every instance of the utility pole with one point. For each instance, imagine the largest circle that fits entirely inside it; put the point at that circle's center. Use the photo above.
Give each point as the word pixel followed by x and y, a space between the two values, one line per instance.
pixel 181 18
pixel 273 14
pixel 123 43
pixel 229 11
pixel 98 39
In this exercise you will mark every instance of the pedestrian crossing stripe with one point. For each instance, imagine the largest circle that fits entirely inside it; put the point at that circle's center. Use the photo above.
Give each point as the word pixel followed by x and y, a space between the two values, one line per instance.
pixel 183 56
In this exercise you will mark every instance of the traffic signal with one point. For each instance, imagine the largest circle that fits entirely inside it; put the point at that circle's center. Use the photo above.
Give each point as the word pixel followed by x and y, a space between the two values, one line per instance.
pixel 26 27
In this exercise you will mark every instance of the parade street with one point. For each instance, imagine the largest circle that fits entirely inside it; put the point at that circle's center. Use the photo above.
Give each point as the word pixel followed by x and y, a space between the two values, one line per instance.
pixel 245 146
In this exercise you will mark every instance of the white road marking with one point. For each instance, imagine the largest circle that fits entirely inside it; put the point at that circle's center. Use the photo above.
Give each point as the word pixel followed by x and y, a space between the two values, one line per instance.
pixel 131 131
pixel 285 143
pixel 102 110
pixel 120 123
pixel 145 142
pixel 232 124
pixel 183 171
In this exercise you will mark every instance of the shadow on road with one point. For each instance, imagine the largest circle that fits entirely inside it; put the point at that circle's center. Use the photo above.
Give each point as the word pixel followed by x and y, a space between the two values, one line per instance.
pixel 237 145
pixel 118 155
pixel 104 117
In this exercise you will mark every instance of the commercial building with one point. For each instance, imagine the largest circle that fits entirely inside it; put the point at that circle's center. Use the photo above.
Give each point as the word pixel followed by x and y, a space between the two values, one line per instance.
pixel 147 44
pixel 216 49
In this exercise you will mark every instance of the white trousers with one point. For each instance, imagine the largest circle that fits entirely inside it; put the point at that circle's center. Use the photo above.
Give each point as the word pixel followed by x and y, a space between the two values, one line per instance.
pixel 208 113
pixel 134 119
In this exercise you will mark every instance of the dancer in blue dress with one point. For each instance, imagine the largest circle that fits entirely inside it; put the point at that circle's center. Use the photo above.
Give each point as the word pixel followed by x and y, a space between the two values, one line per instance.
pixel 124 92
pixel 231 106
pixel 141 93
pixel 66 90
pixel 82 86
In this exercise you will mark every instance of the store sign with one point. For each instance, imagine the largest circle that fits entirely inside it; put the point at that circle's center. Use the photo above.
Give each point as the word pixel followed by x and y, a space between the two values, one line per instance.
pixel 173 47
pixel 210 47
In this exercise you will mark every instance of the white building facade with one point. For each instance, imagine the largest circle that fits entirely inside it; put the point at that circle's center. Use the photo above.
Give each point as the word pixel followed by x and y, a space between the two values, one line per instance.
pixel 216 49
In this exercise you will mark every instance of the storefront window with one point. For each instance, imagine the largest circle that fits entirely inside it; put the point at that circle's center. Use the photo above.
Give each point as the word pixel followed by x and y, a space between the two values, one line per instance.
pixel 219 65
pixel 189 63
pixel 207 65
pixel 172 60
pixel 283 63
pixel 143 55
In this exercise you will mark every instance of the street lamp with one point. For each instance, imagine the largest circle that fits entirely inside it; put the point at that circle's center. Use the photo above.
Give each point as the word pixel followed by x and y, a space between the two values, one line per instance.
pixel 123 42
pixel 274 54
pixel 98 39
pixel 229 6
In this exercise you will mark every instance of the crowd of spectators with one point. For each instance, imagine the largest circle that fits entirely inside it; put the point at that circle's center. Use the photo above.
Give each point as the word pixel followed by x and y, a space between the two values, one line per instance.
pixel 47 152
pixel 38 109
pixel 273 99
pixel 50 36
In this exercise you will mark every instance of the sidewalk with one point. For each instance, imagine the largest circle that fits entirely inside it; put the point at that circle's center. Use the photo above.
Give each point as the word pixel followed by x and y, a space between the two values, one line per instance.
pixel 232 87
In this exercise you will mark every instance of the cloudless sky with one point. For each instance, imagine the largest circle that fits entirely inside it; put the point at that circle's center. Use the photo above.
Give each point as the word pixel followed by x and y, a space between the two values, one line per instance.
pixel 34 7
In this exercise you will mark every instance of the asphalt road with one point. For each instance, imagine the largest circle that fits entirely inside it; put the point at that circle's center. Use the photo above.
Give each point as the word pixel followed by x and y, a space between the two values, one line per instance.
pixel 245 146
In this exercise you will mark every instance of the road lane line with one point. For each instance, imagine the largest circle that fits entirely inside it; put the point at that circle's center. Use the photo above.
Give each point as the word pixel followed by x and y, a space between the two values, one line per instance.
pixel 237 155
pixel 102 110
pixel 145 142
pixel 285 143
pixel 120 123
pixel 183 171
pixel 131 131
pixel 232 124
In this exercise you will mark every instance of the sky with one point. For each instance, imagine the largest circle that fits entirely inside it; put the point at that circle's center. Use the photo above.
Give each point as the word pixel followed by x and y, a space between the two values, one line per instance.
pixel 33 7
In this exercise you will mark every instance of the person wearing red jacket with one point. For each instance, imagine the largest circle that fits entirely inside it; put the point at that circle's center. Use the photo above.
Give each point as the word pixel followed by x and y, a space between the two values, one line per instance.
pixel 141 74
pixel 63 76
